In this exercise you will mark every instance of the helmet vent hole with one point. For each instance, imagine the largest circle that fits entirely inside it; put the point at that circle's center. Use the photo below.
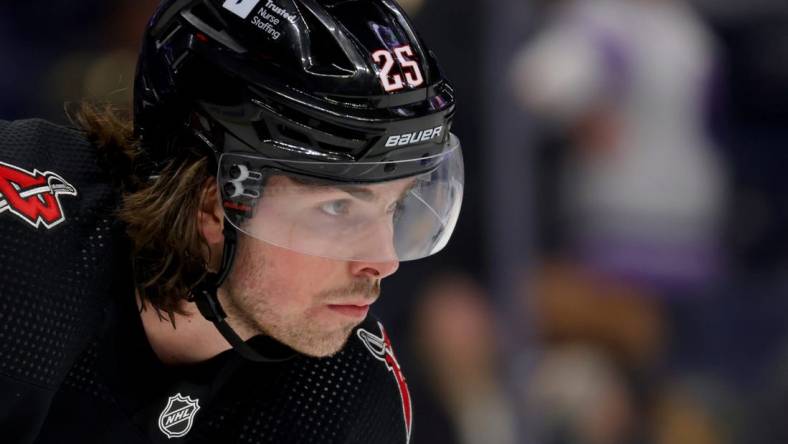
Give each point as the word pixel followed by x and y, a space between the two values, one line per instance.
pixel 293 134
pixel 263 133
pixel 389 167
pixel 208 16
pixel 336 149
pixel 326 54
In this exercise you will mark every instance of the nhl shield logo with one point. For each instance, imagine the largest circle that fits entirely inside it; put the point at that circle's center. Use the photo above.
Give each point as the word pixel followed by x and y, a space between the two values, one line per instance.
pixel 177 418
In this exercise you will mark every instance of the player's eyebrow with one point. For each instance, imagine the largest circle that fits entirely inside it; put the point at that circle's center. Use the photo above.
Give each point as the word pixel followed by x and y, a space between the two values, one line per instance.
pixel 360 193
pixel 368 195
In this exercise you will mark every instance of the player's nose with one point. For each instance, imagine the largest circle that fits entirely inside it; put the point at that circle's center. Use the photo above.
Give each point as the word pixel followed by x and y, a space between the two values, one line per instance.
pixel 378 256
pixel 374 269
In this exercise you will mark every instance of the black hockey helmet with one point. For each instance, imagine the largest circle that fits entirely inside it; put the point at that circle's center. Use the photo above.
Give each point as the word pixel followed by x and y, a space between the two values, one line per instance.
pixel 333 77
pixel 336 92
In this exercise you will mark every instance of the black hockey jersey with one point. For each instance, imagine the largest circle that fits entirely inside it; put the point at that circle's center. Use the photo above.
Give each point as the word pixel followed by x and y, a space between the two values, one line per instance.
pixel 75 365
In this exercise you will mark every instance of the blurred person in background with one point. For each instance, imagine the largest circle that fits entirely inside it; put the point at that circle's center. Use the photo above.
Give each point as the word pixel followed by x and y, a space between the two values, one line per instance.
pixel 599 376
pixel 641 191
pixel 622 88
pixel 457 343
pixel 577 396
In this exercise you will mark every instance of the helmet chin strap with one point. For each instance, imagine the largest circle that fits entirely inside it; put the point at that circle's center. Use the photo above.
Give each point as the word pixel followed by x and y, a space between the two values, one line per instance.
pixel 205 296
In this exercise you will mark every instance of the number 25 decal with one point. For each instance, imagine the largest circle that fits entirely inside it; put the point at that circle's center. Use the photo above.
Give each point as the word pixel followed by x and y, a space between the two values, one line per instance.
pixel 393 82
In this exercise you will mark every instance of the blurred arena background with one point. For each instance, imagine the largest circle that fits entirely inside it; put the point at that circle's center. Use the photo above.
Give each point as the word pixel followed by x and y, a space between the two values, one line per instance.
pixel 620 270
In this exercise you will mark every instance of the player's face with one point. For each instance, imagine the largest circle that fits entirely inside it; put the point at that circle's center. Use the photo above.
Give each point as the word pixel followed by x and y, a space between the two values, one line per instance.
pixel 308 302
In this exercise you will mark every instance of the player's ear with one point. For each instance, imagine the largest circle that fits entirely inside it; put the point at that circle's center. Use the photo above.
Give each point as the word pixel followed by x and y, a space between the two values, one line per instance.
pixel 210 216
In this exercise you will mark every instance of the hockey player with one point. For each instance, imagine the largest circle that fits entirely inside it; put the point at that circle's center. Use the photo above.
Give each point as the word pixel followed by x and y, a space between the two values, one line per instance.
pixel 207 277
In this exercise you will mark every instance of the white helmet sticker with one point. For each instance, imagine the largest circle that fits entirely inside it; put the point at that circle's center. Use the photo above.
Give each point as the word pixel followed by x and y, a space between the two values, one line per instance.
pixel 241 8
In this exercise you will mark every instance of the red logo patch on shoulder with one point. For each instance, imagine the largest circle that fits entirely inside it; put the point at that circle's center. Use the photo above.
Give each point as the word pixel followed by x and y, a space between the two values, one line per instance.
pixel 33 196
pixel 380 347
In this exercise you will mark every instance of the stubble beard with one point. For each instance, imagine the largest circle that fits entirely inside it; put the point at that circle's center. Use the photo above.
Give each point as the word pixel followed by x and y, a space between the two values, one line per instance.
pixel 254 314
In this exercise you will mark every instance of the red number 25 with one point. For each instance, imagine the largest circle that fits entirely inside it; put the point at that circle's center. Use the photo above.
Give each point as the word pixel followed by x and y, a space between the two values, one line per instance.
pixel 410 68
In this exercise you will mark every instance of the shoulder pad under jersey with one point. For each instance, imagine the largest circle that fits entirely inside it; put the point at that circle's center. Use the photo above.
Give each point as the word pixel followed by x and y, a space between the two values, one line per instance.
pixel 56 257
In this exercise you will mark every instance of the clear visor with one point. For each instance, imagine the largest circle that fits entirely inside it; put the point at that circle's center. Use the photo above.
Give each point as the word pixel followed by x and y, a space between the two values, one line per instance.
pixel 401 219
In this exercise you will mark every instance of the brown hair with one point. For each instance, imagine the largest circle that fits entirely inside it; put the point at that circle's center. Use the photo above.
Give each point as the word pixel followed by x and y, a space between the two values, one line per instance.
pixel 160 213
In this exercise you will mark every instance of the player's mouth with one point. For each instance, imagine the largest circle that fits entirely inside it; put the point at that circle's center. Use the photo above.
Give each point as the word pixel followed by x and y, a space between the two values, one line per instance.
pixel 356 311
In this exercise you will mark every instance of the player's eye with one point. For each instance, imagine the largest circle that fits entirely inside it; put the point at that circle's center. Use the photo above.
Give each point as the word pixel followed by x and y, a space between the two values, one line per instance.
pixel 336 207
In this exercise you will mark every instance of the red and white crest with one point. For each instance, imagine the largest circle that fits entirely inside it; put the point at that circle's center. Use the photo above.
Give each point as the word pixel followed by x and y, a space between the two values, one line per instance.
pixel 380 347
pixel 33 196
